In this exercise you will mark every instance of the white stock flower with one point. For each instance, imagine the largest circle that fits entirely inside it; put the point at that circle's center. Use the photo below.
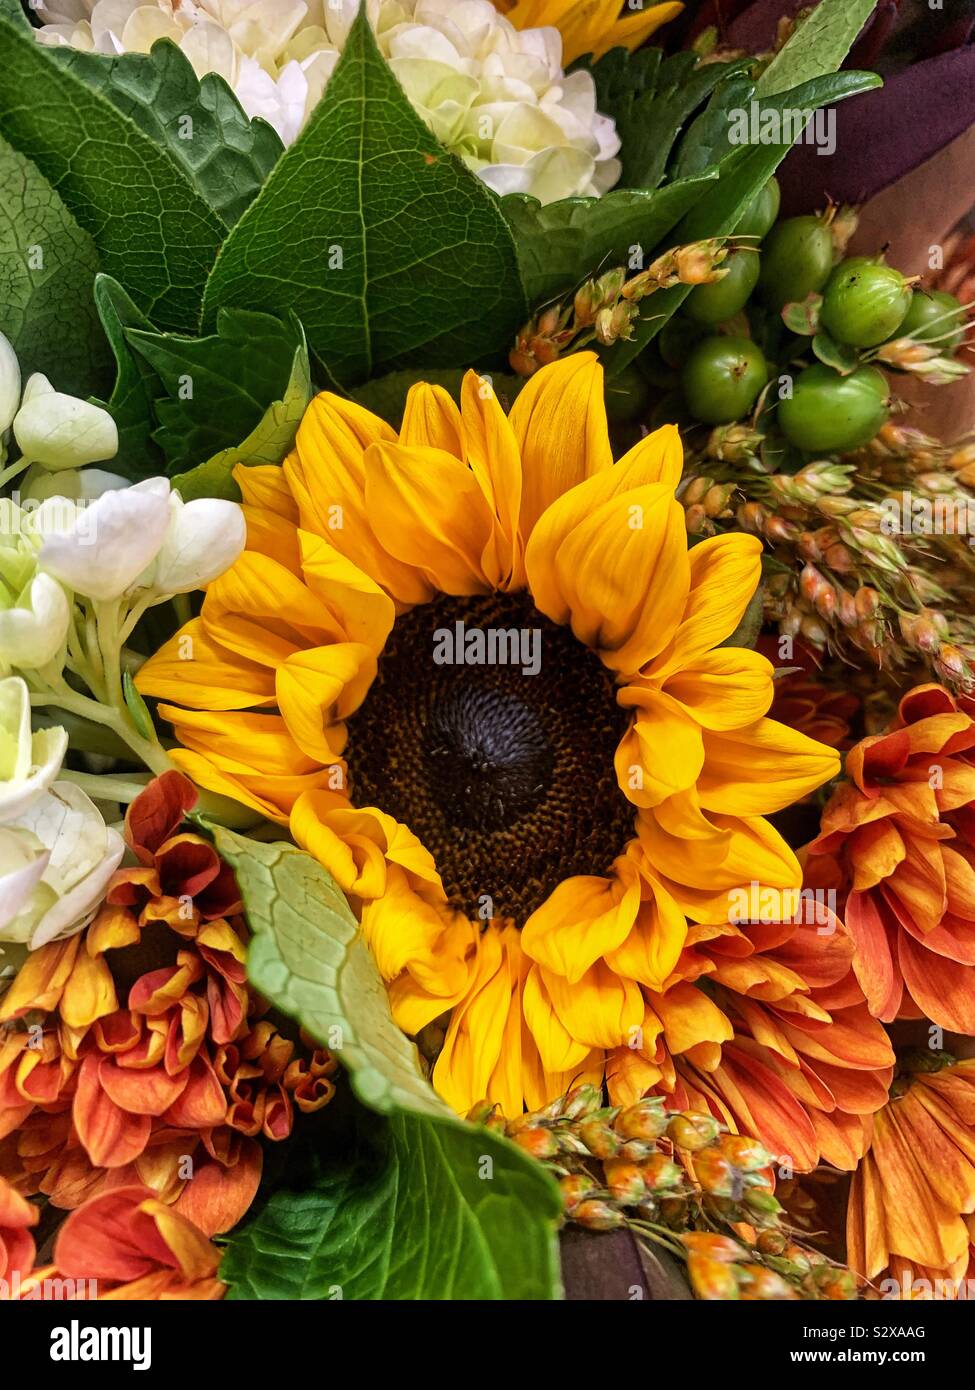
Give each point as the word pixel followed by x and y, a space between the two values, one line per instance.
pixel 204 538
pixel 137 538
pixel 106 545
pixel 9 384
pixel 493 94
pixel 29 761
pixel 55 864
pixel 62 431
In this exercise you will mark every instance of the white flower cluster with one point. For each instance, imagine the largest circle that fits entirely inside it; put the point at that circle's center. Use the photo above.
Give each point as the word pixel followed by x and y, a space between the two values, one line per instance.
pixel 76 530
pixel 493 94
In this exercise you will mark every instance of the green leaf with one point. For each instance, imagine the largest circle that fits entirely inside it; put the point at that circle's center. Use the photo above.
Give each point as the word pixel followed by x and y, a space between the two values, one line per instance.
pixel 268 442
pixel 741 174
pixel 409 1214
pixel 818 45
pixel 388 249
pixel 152 229
pixel 839 356
pixel 650 98
pixel 217 388
pixel 137 708
pixel 802 317
pixel 136 385
pixel 199 122
pixel 426 1206
pixel 47 264
pixel 561 244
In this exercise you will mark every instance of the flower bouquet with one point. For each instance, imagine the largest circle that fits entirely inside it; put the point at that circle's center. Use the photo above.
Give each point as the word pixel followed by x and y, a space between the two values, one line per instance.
pixel 487 743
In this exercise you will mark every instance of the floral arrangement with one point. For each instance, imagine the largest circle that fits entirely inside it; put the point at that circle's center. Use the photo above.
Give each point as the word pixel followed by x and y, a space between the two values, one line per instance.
pixel 487 672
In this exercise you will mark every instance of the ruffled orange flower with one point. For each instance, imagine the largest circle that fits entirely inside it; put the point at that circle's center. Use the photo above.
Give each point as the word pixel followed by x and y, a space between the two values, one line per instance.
pixel 127 1245
pixel 764 1025
pixel 902 832
pixel 910 1225
pixel 477 670
pixel 172 1088
pixel 17 1216
pixel 591 26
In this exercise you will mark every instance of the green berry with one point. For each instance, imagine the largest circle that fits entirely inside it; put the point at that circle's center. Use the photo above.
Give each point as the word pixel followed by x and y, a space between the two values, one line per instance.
pixel 722 299
pixel 829 413
pixel 864 302
pixel 934 316
pixel 759 216
pixel 722 378
pixel 797 257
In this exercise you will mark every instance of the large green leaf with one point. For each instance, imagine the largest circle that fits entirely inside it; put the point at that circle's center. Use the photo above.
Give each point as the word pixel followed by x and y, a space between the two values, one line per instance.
pixel 47 265
pixel 217 388
pixel 268 442
pixel 422 1205
pixel 561 243
pixel 741 174
pixel 136 385
pixel 199 122
pixel 152 229
pixel 818 45
pixel 650 98
pixel 388 249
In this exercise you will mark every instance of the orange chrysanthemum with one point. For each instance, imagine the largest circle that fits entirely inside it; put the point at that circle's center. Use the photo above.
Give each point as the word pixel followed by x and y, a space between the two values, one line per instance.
pixel 476 669
pixel 901 832
pixel 171 1089
pixel 910 1226
pixel 765 1025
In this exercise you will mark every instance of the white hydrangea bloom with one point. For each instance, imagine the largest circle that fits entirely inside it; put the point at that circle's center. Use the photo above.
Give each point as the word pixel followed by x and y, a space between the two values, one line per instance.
pixel 493 94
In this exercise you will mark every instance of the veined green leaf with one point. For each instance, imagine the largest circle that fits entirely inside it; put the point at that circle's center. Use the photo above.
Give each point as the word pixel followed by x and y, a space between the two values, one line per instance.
pixel 388 249
pixel 47 266
pixel 217 388
pixel 818 46
pixel 424 1205
pixel 136 385
pixel 270 440
pixel 152 229
pixel 650 97
pixel 198 121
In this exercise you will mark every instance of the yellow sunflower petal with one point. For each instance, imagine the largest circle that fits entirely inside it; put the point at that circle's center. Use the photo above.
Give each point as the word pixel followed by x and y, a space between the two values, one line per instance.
pixel 602 1009
pixel 318 688
pixel 364 611
pixel 432 420
pixel 492 453
pixel 429 512
pixel 559 423
pixel 326 474
pixel 723 689
pixel 193 669
pixel 724 574
pixel 621 576
pixel 581 920
pixel 762 768
pixel 263 739
pixel 405 932
pixel 265 488
pixel 558 1049
pixel 690 1017
pixel 652 949
pixel 662 752
pixel 261 611
pixel 651 461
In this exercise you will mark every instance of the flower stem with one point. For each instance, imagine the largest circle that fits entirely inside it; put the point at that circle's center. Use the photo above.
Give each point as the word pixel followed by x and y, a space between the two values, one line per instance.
pixel 106 787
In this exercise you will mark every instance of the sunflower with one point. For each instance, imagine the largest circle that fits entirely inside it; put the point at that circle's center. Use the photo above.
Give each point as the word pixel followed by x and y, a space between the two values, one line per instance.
pixel 591 26
pixel 909 1216
pixel 476 669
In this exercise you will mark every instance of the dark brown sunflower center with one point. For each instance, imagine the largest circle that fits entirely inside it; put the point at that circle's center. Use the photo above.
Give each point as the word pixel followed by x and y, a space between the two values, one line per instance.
pixel 490 731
